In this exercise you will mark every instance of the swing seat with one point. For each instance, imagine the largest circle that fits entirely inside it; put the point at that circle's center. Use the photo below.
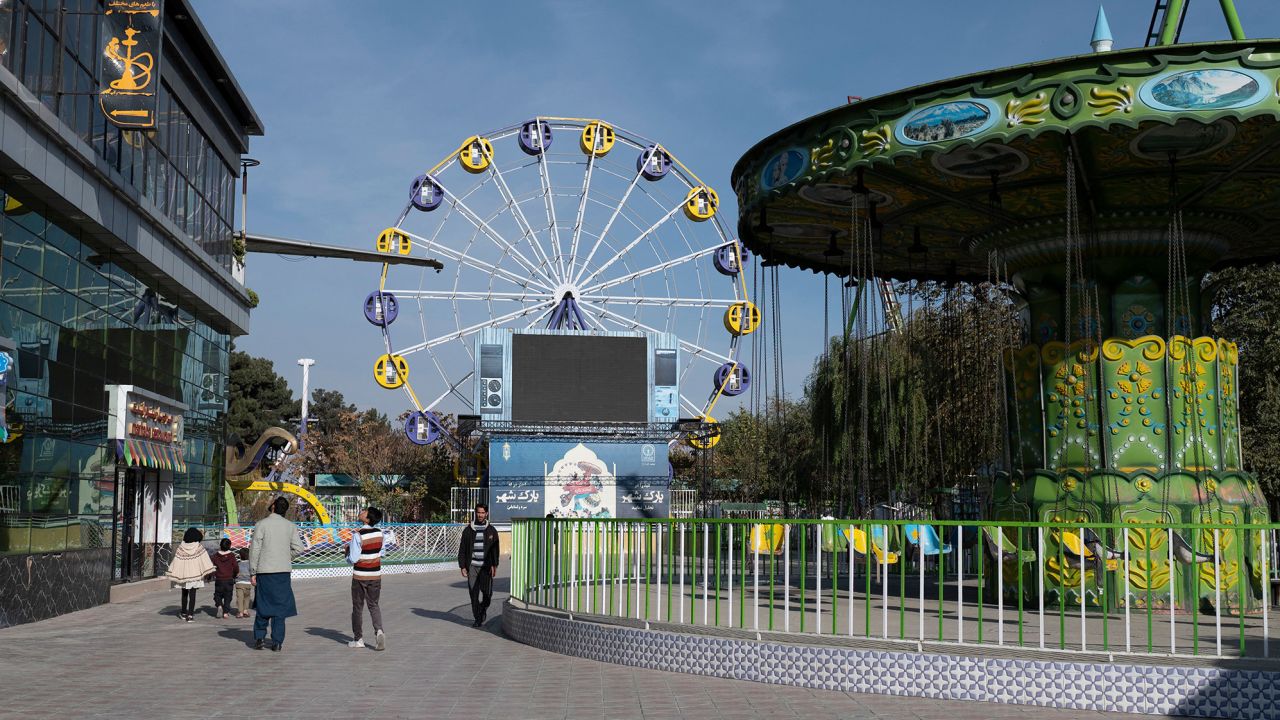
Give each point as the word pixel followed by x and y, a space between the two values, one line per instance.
pixel 833 540
pixel 1071 543
pixel 767 539
pixel 859 540
pixel 1002 547
pixel 926 538
pixel 1186 554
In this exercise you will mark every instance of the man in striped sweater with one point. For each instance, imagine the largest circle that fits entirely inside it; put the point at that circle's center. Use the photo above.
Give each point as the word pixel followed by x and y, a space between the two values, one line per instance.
pixel 478 560
pixel 365 555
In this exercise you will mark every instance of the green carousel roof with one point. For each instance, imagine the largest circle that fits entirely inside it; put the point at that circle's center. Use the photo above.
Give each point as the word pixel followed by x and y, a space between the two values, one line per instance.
pixel 978 164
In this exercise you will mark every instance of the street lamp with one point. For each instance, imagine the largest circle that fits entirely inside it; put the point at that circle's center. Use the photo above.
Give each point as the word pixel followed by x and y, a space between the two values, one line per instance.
pixel 306 364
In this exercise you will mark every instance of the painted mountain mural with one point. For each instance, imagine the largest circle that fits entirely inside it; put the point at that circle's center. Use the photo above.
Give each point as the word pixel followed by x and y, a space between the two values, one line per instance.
pixel 1205 89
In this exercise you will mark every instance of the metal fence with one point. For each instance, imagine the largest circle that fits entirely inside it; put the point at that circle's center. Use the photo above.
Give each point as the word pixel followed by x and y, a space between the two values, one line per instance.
pixel 463 501
pixel 683 502
pixel 326 545
pixel 1114 588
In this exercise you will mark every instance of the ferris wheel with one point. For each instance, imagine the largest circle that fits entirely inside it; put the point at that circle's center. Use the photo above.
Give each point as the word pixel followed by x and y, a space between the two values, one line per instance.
pixel 560 224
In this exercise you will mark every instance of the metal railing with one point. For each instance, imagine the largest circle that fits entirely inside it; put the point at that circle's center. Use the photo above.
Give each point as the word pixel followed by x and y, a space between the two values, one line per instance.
pixel 463 500
pixel 326 545
pixel 1113 588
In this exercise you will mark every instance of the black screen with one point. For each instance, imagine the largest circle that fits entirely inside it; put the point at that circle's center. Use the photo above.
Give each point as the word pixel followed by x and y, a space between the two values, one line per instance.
pixel 578 378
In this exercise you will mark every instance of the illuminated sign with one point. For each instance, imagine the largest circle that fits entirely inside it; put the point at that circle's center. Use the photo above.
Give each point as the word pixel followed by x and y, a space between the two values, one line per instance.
pixel 131 62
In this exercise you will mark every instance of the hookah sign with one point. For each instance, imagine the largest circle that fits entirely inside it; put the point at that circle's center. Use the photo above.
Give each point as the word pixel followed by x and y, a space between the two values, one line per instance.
pixel 131 62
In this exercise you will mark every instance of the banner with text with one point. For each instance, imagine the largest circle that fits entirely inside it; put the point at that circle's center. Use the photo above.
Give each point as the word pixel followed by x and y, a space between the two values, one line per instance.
pixel 569 478
pixel 133 34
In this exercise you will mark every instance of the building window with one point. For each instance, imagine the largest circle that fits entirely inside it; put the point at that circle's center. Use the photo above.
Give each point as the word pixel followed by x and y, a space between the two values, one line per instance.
pixel 53 48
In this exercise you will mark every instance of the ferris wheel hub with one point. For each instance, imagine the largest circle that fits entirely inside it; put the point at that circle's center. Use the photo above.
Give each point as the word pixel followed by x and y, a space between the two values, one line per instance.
pixel 566 291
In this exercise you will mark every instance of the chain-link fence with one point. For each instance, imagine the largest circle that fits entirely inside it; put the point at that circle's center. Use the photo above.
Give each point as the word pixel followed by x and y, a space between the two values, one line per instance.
pixel 326 545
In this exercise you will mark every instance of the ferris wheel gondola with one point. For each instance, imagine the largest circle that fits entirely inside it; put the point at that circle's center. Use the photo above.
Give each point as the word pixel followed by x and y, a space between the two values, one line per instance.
pixel 602 231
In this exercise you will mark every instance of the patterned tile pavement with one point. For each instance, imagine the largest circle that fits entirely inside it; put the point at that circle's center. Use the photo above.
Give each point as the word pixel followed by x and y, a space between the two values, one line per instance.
pixel 136 660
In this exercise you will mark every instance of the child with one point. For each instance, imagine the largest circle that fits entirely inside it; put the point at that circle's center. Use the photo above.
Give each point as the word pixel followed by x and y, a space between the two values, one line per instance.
pixel 188 570
pixel 225 563
pixel 244 586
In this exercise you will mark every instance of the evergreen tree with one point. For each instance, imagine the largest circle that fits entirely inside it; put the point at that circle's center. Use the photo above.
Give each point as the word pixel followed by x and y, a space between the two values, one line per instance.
pixel 260 399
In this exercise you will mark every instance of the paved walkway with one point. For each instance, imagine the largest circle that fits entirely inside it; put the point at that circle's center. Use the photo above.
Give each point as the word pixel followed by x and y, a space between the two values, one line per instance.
pixel 137 660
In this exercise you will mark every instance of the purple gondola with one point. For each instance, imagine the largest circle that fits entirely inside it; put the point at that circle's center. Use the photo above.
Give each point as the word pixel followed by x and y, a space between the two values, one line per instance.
pixel 535 137
pixel 653 163
pixel 425 193
pixel 726 259
pixel 738 383
pixel 381 308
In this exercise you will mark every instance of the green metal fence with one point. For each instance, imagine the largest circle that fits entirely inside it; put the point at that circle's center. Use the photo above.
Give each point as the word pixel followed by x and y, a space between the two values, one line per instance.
pixel 1116 588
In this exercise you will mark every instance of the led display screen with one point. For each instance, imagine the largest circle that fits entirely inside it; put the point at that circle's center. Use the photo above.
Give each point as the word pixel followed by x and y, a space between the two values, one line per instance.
pixel 579 378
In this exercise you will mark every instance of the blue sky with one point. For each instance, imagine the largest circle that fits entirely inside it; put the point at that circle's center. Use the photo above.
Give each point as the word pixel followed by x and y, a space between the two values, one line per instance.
pixel 358 98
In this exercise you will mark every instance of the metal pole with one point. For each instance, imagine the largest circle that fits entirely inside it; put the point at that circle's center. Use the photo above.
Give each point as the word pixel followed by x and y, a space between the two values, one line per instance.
pixel 1232 18
pixel 1172 14
pixel 306 364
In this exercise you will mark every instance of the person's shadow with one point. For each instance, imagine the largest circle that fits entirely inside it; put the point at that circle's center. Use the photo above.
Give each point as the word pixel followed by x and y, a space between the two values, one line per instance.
pixel 460 615
pixel 333 635
pixel 243 634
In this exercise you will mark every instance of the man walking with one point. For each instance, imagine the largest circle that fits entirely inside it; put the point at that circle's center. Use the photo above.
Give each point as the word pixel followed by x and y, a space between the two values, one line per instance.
pixel 365 555
pixel 478 560
pixel 275 541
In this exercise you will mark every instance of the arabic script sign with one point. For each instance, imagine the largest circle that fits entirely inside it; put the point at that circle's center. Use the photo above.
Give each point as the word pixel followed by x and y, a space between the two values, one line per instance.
pixel 131 62
pixel 577 479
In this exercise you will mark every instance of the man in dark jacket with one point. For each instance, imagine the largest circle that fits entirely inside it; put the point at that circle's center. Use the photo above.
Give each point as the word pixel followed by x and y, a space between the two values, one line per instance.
pixel 478 560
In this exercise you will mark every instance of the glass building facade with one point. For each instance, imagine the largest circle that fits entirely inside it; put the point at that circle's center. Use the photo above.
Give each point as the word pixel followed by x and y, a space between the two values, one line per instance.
pixel 116 292
pixel 53 47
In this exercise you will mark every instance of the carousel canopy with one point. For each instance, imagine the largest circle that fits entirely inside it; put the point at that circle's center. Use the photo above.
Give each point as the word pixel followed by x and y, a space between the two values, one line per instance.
pixel 962 167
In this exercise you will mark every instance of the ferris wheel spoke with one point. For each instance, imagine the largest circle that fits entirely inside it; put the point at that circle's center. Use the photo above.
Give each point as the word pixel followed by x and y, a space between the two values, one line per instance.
pixel 639 238
pixel 664 265
pixel 582 209
pixel 540 317
pixel 453 390
pixel 523 221
pixel 492 322
pixel 548 198
pixel 463 258
pixel 661 301
pixel 479 222
pixel 693 408
pixel 586 263
pixel 469 295
pixel 633 324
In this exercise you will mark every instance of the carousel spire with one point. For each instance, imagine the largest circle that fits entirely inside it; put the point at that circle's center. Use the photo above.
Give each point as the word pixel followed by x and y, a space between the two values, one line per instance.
pixel 1101 40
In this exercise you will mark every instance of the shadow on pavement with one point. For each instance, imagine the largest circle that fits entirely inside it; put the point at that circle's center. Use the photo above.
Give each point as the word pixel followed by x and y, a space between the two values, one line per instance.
pixel 243 634
pixel 329 633
pixel 460 615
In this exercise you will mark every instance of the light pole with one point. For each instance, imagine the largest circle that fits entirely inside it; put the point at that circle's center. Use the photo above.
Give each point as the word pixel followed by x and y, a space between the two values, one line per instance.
pixel 306 364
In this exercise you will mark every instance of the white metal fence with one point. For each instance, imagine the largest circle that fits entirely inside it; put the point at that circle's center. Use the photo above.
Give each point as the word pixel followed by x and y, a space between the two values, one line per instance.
pixel 326 545
pixel 463 501
pixel 1184 590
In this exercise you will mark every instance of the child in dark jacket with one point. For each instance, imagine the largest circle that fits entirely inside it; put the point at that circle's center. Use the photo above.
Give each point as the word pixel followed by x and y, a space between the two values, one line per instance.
pixel 226 567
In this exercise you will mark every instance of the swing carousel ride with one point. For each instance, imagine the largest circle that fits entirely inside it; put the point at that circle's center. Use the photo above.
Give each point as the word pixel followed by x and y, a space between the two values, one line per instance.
pixel 1104 187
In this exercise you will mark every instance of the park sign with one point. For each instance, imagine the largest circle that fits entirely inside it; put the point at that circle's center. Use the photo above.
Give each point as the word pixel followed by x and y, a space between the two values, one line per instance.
pixel 575 478
pixel 146 428
pixel 133 33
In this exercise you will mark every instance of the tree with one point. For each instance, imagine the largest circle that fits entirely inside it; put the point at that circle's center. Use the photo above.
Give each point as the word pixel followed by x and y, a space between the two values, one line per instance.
pixel 408 482
pixel 325 411
pixel 1246 311
pixel 260 398
pixel 898 416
